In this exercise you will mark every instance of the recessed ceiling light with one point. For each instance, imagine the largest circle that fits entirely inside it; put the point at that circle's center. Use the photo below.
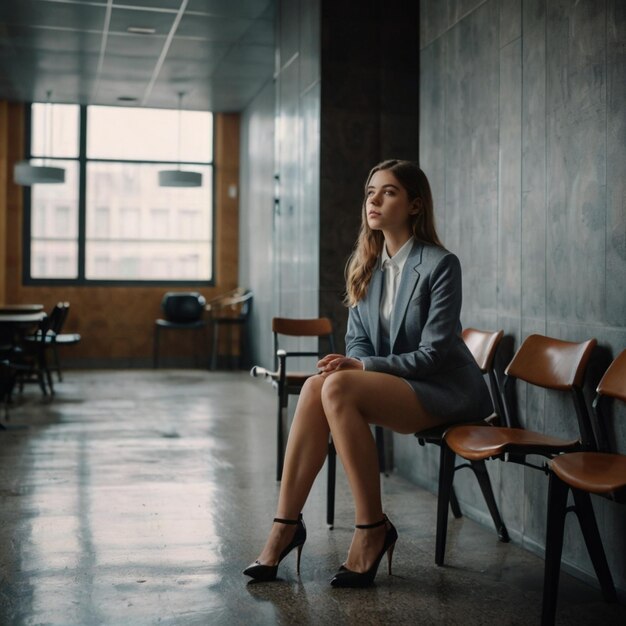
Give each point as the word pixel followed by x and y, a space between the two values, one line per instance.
pixel 141 30
pixel 126 99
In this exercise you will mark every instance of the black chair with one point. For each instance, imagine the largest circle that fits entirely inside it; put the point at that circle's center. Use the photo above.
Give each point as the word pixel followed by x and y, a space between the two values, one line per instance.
pixel 542 361
pixel 56 337
pixel 601 472
pixel 59 338
pixel 483 346
pixel 287 382
pixel 182 311
pixel 231 311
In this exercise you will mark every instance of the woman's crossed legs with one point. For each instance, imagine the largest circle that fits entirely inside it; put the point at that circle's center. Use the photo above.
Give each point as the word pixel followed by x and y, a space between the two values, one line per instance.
pixel 344 403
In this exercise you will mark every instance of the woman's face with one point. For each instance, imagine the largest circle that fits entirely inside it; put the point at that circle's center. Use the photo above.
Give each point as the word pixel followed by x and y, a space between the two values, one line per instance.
pixel 387 205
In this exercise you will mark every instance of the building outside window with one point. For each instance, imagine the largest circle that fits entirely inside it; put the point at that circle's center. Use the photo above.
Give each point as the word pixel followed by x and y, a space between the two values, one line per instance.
pixel 110 221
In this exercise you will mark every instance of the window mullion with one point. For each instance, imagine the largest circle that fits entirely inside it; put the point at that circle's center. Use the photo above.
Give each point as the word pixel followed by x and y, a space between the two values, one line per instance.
pixel 82 192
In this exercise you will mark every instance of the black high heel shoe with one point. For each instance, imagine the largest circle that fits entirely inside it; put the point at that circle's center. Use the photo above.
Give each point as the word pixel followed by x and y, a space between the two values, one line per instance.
pixel 265 573
pixel 347 578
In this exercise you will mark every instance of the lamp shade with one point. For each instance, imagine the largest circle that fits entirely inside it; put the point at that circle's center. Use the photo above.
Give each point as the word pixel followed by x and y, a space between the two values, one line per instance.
pixel 179 178
pixel 26 174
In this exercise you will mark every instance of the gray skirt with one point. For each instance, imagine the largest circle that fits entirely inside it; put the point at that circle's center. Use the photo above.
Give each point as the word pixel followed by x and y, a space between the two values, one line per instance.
pixel 457 395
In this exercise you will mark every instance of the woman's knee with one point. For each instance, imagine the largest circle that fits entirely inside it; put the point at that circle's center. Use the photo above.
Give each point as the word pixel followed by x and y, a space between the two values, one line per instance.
pixel 310 398
pixel 312 388
pixel 338 393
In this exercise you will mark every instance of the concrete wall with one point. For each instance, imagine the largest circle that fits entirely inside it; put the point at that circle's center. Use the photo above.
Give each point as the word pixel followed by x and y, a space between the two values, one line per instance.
pixel 256 219
pixel 522 134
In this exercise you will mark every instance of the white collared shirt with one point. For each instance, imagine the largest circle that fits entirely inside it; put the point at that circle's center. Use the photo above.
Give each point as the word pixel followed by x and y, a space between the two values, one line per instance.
pixel 392 268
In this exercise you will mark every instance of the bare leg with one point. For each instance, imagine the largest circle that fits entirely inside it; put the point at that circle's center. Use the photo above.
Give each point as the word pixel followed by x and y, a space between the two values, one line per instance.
pixel 353 400
pixel 306 451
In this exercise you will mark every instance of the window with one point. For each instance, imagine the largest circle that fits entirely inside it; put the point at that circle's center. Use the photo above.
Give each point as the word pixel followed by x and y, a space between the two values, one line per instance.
pixel 110 221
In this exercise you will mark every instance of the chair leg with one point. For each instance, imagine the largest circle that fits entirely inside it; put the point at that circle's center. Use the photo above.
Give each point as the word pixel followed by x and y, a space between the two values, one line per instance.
pixel 48 374
pixel 283 403
pixel 446 476
pixel 480 471
pixel 243 350
pixel 557 509
pixel 454 504
pixel 42 382
pixel 215 347
pixel 155 351
pixel 332 476
pixel 589 526
pixel 43 374
pixel 455 507
pixel 57 362
pixel 231 357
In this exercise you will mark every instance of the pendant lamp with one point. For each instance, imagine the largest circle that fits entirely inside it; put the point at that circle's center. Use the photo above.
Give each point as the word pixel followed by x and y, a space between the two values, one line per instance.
pixel 178 177
pixel 27 174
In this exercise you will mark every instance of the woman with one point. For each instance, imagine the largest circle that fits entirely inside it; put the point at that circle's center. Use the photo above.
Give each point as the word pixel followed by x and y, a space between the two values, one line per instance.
pixel 406 368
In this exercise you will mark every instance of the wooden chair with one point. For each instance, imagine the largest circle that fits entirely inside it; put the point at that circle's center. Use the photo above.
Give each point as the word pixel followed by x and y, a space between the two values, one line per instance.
pixel 230 311
pixel 60 338
pixel 599 472
pixel 182 311
pixel 290 382
pixel 483 346
pixel 543 361
pixel 56 337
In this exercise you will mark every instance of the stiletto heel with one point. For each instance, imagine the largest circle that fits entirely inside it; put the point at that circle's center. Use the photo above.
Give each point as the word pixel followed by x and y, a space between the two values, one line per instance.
pixel 265 573
pixel 298 558
pixel 347 578
pixel 389 557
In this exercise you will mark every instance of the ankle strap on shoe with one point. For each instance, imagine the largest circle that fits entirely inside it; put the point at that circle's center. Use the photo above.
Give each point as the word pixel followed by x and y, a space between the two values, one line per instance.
pixel 374 525
pixel 290 522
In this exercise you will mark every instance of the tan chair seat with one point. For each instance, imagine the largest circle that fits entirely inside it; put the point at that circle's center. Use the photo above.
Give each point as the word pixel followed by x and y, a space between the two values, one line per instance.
pixel 478 443
pixel 596 472
pixel 298 378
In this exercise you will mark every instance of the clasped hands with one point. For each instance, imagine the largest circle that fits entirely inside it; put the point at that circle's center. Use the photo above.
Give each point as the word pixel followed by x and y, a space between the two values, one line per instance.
pixel 334 362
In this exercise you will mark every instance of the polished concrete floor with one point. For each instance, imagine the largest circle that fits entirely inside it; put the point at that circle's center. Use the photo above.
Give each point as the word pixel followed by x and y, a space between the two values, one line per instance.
pixel 138 497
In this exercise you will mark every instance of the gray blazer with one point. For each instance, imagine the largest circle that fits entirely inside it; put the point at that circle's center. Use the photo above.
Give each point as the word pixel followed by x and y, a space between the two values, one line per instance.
pixel 427 349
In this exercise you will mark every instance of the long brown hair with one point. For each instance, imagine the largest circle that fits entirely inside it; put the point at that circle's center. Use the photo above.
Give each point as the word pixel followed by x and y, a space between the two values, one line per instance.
pixel 369 244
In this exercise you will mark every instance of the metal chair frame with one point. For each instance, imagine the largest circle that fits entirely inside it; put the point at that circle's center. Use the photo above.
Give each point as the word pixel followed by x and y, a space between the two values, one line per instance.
pixel 238 305
pixel 483 349
pixel 513 448
pixel 166 324
pixel 560 486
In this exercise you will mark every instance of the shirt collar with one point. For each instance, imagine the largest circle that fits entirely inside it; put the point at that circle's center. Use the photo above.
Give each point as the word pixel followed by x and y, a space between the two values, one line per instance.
pixel 400 257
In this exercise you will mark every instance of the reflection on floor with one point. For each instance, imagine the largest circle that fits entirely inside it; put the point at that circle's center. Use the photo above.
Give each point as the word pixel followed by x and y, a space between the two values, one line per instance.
pixel 138 497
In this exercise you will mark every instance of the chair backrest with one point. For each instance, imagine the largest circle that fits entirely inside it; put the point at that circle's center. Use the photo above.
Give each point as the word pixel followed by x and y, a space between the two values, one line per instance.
pixel 316 327
pixel 320 327
pixel 483 345
pixel 551 363
pixel 216 301
pixel 555 364
pixel 183 307
pixel 236 306
pixel 57 317
pixel 612 385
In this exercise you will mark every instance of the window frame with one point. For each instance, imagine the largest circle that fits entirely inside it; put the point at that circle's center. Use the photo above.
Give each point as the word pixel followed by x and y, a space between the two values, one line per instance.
pixel 81 280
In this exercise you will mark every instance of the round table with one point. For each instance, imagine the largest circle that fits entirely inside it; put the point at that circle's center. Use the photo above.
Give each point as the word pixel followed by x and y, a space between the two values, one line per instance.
pixel 9 309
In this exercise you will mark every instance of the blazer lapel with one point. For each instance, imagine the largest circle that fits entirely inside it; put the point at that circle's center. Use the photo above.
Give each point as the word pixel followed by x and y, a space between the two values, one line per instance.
pixel 373 302
pixel 408 282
